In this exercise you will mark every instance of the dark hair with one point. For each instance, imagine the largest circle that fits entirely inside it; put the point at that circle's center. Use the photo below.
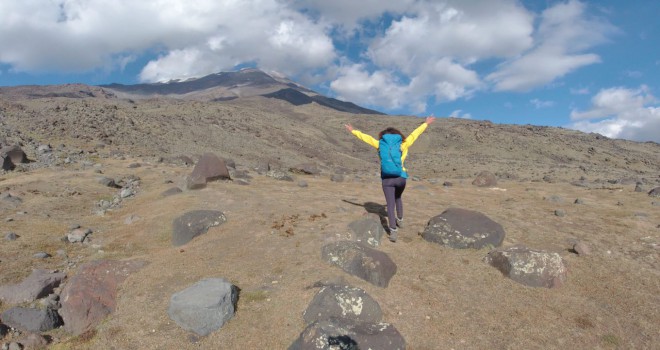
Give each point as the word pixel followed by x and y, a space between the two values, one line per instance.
pixel 391 130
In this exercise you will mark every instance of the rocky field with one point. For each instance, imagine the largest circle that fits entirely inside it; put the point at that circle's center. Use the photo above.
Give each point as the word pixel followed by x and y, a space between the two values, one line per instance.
pixel 100 205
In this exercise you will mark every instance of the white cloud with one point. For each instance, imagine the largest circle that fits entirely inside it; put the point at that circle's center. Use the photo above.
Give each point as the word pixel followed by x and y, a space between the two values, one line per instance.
pixel 379 88
pixel 195 38
pixel 459 114
pixel 564 33
pixel 538 104
pixel 347 13
pixel 621 113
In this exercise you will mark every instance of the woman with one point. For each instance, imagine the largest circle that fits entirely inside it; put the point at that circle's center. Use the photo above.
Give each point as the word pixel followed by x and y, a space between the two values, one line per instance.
pixel 393 185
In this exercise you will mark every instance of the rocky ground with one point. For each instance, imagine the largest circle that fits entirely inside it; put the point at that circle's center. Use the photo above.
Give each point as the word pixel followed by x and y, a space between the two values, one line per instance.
pixel 110 161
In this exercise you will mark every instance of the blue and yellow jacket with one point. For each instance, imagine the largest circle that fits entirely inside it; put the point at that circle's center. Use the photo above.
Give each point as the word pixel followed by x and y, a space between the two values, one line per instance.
pixel 410 139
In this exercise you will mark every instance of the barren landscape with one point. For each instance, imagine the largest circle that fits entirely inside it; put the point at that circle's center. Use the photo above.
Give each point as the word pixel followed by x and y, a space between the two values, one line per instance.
pixel 556 187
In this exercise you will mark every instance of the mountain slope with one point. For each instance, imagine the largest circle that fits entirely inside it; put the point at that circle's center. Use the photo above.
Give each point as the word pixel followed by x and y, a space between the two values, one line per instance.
pixel 230 85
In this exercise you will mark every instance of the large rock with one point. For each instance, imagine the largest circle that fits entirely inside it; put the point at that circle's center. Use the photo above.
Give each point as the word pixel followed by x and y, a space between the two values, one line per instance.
pixel 91 294
pixel 535 268
pixel 349 335
pixel 194 223
pixel 15 153
pixel 338 301
pixel 368 229
pixel 485 179
pixel 205 306
pixel 360 260
pixel 461 228
pixel 655 192
pixel 209 168
pixel 39 284
pixel 31 320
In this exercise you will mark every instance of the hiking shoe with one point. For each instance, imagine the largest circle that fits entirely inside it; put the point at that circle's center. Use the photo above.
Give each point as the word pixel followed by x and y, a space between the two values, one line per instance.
pixel 393 234
pixel 399 222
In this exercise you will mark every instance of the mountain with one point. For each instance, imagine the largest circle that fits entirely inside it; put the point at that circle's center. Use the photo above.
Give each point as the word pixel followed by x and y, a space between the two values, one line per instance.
pixel 226 86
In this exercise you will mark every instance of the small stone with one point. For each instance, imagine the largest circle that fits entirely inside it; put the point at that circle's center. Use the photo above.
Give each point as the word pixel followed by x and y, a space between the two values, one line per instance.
pixel 302 183
pixel 581 249
pixel 560 213
pixel 11 236
pixel 579 201
pixel 447 184
pixel 41 255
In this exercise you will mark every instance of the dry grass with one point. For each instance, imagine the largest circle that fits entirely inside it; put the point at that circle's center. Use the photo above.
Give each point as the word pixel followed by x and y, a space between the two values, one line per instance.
pixel 439 298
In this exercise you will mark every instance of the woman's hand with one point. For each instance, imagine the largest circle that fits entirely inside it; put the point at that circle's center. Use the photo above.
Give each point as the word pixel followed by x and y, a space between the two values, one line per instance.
pixel 349 127
pixel 430 120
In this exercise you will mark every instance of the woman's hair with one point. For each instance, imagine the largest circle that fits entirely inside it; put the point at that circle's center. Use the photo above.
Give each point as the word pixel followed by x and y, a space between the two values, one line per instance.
pixel 391 130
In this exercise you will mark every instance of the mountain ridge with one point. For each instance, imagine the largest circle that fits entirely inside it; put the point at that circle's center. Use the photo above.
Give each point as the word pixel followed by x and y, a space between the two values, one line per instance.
pixel 226 86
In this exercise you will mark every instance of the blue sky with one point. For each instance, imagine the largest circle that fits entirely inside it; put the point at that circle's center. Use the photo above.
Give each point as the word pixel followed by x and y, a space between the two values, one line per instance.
pixel 592 66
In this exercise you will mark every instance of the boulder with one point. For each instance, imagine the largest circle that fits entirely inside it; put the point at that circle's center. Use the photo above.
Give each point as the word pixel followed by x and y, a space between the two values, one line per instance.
pixel 346 334
pixel 205 306
pixel 39 284
pixel 338 301
pixel 194 223
pixel 461 228
pixel 534 268
pixel 31 320
pixel 91 294
pixel 360 260
pixel 368 230
pixel 655 192
pixel 209 168
pixel 15 153
pixel 485 179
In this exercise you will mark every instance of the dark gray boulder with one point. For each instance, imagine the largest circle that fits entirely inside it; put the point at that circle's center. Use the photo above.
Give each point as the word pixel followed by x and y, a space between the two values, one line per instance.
pixel 338 301
pixel 534 268
pixel 485 179
pixel 39 284
pixel 655 192
pixel 194 223
pixel 360 260
pixel 349 335
pixel 461 228
pixel 368 229
pixel 209 168
pixel 205 306
pixel 31 320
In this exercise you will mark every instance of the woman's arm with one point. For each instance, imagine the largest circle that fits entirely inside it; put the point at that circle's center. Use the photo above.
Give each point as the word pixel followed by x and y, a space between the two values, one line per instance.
pixel 415 134
pixel 368 139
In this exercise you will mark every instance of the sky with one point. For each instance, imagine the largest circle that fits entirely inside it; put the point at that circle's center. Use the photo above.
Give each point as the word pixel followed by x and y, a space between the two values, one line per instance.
pixel 592 66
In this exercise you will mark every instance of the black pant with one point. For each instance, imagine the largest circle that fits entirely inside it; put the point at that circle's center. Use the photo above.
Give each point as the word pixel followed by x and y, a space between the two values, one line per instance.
pixel 393 188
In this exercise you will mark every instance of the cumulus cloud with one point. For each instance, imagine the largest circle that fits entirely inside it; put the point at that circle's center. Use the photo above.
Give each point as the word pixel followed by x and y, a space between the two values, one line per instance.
pixel 565 32
pixel 194 38
pixel 432 47
pixel 619 112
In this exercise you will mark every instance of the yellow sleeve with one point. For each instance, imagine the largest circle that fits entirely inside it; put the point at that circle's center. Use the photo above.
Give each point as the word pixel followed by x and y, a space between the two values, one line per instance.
pixel 368 139
pixel 413 136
